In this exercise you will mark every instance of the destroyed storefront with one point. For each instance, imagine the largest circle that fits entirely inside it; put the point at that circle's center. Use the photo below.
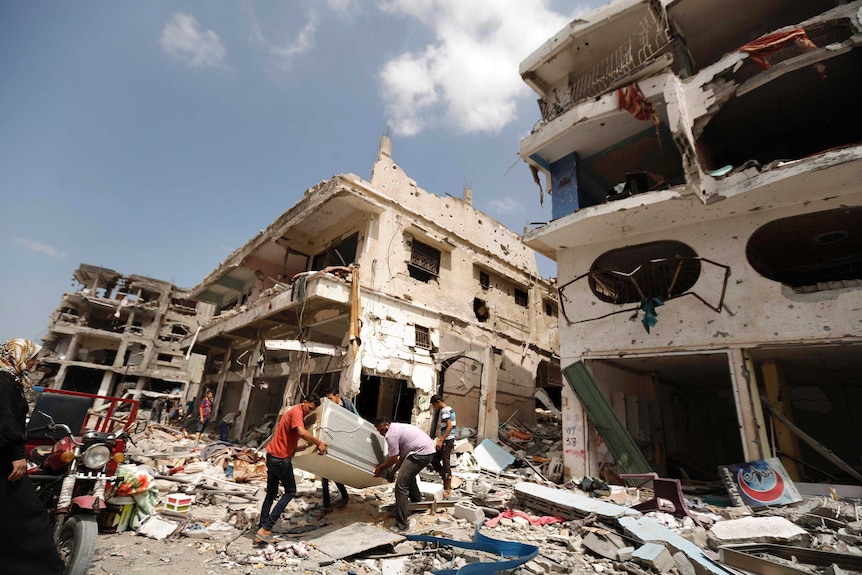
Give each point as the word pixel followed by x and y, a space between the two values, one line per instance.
pixel 120 334
pixel 387 293
pixel 705 188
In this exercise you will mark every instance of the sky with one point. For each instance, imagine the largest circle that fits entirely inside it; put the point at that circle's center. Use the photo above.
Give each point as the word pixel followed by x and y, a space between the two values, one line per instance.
pixel 154 138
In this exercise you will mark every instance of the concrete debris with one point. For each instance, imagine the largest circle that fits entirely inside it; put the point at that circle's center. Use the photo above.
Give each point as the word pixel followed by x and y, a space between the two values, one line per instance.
pixel 584 526
pixel 655 556
pixel 757 530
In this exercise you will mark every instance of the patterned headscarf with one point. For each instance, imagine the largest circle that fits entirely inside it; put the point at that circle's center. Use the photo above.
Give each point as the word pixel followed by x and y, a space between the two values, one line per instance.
pixel 14 355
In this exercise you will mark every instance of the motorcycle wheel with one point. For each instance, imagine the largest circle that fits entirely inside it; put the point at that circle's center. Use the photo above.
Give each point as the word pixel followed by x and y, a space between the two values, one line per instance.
pixel 78 543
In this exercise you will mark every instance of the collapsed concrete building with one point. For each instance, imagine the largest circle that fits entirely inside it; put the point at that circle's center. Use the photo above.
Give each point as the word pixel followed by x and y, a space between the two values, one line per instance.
pixel 118 333
pixel 704 162
pixel 389 294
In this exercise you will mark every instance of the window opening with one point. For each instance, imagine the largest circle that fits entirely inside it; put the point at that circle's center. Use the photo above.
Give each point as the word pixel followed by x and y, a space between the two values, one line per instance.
pixel 423 337
pixel 648 273
pixel 480 308
pixel 521 297
pixel 810 252
pixel 424 262
pixel 341 254
pixel 484 280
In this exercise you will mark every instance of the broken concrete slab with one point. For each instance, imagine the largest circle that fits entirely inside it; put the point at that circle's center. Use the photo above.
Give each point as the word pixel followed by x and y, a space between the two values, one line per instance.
pixel 353 539
pixel 648 531
pixel 567 504
pixel 492 457
pixel 655 556
pixel 601 545
pixel 757 530
pixel 683 564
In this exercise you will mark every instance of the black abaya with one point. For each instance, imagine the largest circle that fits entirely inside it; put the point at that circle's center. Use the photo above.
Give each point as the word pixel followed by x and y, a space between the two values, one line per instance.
pixel 26 544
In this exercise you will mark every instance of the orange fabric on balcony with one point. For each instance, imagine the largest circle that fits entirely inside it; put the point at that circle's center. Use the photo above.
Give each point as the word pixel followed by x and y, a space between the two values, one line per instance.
pixel 761 49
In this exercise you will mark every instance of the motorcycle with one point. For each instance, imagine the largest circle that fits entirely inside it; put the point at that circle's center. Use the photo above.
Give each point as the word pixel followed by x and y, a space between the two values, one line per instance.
pixel 70 475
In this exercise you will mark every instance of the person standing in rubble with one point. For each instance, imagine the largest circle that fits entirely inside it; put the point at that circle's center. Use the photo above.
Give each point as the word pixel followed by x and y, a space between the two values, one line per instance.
pixel 335 397
pixel 225 424
pixel 410 451
pixel 444 442
pixel 27 544
pixel 279 467
pixel 156 411
pixel 205 411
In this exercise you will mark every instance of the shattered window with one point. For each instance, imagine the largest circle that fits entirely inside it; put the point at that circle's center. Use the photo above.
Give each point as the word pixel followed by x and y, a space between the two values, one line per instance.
pixel 661 270
pixel 815 251
pixel 424 262
pixel 341 254
pixel 521 297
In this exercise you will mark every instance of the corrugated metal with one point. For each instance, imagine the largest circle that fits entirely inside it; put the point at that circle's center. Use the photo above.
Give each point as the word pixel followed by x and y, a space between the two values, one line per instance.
pixel 354 447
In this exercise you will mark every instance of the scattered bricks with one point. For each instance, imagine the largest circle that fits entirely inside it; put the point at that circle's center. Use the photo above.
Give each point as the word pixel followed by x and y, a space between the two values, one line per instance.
pixel 655 556
pixel 683 564
pixel 625 553
pixel 534 568
pixel 469 511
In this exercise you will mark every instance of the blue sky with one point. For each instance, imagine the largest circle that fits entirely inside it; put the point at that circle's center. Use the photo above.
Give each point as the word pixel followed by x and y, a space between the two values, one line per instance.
pixel 156 137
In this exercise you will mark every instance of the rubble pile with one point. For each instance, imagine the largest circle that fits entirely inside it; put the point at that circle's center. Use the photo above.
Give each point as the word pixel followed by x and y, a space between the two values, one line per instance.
pixel 209 496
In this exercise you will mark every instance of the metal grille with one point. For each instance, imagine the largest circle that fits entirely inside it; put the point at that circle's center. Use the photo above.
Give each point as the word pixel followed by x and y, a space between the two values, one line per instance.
pixel 648 40
pixel 425 258
pixel 423 337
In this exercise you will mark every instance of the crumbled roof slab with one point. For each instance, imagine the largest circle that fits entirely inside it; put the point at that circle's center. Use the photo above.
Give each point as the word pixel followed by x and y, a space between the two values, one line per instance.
pixel 757 530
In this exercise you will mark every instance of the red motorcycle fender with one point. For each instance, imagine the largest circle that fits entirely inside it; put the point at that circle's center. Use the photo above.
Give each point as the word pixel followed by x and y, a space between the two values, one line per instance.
pixel 88 503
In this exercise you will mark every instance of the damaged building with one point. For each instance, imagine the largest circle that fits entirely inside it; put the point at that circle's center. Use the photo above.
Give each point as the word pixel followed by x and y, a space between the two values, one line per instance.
pixel 389 294
pixel 118 333
pixel 703 159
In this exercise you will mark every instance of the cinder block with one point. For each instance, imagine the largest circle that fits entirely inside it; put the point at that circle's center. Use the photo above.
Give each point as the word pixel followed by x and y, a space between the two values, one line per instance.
pixel 469 511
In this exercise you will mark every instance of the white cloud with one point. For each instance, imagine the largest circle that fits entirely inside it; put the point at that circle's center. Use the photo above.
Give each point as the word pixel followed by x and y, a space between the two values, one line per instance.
pixel 183 39
pixel 38 247
pixel 505 206
pixel 468 78
pixel 304 42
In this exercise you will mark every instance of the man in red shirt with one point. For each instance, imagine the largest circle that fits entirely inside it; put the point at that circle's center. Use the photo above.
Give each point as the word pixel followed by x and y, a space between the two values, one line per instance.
pixel 279 468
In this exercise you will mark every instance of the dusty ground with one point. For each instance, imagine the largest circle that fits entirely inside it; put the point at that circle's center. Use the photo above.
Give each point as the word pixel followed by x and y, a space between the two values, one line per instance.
pixel 233 551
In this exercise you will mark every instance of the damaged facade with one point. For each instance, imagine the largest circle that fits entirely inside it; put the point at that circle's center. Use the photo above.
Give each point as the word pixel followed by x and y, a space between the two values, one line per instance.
pixel 704 164
pixel 389 294
pixel 118 333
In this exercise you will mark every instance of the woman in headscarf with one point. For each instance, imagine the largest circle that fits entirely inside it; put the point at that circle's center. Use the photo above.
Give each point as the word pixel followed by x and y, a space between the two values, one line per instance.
pixel 26 544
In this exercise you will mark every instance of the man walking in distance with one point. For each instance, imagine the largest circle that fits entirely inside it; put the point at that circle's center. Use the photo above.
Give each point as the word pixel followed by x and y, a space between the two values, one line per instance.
pixel 410 450
pixel 279 468
pixel 444 441
pixel 205 410
pixel 335 397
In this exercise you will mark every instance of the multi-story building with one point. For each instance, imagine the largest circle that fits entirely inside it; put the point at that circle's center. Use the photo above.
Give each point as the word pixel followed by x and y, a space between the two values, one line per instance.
pixel 705 168
pixel 118 332
pixel 389 294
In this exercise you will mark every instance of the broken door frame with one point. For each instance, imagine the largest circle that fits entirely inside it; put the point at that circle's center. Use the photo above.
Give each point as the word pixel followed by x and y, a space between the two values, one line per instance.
pixel 743 384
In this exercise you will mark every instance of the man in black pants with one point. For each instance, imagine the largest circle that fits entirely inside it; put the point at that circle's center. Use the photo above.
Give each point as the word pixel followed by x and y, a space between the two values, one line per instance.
pixel 410 450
